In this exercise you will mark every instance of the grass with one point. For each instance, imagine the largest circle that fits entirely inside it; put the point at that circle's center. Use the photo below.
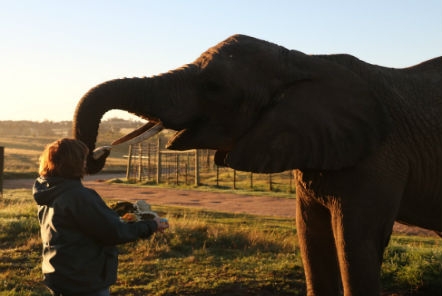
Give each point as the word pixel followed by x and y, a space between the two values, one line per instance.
pixel 227 178
pixel 207 253
pixel 412 264
pixel 280 183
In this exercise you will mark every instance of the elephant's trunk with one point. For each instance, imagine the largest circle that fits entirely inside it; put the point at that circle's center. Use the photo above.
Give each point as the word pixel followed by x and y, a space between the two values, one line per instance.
pixel 153 98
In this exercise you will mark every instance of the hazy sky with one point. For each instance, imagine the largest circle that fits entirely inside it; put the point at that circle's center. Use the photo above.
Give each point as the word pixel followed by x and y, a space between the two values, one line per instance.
pixel 52 52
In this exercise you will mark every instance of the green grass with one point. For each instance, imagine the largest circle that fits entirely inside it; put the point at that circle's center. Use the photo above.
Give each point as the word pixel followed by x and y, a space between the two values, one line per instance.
pixel 413 264
pixel 207 253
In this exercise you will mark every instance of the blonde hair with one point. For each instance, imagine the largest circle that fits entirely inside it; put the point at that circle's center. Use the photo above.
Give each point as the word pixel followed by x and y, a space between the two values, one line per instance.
pixel 64 158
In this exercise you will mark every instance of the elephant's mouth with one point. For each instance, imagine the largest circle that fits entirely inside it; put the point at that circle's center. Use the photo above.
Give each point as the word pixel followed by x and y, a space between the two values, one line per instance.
pixel 198 136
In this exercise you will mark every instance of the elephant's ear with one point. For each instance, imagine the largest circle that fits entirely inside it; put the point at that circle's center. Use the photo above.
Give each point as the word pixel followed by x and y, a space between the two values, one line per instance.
pixel 325 124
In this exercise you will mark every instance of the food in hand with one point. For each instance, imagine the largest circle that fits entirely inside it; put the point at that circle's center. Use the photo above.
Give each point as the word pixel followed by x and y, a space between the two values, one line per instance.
pixel 123 207
pixel 129 217
pixel 139 211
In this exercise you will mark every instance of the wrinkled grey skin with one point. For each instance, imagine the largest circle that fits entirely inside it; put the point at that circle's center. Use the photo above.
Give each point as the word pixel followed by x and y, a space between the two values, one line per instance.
pixel 366 142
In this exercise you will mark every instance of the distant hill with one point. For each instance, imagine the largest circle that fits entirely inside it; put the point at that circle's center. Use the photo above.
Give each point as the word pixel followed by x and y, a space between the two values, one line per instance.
pixel 61 128
pixel 24 140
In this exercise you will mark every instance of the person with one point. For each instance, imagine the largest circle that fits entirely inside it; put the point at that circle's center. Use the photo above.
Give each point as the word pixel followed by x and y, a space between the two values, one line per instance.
pixel 79 231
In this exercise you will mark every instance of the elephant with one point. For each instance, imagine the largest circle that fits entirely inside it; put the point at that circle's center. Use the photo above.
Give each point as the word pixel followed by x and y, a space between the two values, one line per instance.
pixel 364 141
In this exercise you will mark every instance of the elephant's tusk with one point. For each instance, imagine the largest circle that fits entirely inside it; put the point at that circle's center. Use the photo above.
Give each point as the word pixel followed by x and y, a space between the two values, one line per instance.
pixel 98 152
pixel 144 136
pixel 134 133
pixel 130 139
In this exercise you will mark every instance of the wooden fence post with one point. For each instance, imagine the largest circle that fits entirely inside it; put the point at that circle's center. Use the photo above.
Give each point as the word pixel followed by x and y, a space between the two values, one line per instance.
pixel 187 169
pixel 148 161
pixel 129 160
pixel 168 168
pixel 251 180
pixel 2 165
pixel 197 167
pixel 291 177
pixel 177 162
pixel 270 182
pixel 187 165
pixel 158 179
pixel 140 162
pixel 208 160
pixel 234 179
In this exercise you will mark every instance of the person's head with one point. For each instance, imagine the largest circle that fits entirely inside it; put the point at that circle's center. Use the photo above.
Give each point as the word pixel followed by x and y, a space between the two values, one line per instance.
pixel 64 158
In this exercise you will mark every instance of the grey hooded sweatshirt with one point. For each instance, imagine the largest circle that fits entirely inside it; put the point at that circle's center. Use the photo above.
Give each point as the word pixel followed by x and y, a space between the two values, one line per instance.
pixel 79 234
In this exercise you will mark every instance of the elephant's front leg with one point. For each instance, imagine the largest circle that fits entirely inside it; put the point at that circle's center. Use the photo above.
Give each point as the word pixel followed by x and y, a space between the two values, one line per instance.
pixel 362 226
pixel 317 247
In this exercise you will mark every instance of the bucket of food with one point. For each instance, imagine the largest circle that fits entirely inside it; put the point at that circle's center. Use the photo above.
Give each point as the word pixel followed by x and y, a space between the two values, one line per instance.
pixel 132 212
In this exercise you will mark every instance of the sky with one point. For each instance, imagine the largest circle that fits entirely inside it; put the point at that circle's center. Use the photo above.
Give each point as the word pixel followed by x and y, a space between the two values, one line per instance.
pixel 53 52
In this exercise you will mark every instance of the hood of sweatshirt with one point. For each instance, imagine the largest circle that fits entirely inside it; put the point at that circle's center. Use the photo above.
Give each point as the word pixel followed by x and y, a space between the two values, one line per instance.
pixel 46 189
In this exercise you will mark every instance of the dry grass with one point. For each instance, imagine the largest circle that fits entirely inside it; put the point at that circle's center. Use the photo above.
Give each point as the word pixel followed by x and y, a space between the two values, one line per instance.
pixel 18 151
pixel 207 253
pixel 22 156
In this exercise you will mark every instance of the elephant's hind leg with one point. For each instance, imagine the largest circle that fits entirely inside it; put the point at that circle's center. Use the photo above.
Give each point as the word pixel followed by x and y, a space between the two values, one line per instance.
pixel 317 247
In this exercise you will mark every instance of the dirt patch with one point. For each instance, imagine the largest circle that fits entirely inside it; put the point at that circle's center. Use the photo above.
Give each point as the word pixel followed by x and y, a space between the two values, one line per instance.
pixel 225 202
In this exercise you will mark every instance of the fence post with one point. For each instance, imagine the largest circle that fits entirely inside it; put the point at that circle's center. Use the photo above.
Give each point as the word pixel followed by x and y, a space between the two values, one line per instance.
pixel 168 168
pixel 187 168
pixel 197 167
pixel 177 161
pixel 251 180
pixel 208 160
pixel 129 163
pixel 291 177
pixel 270 182
pixel 148 161
pixel 234 179
pixel 2 165
pixel 159 161
pixel 140 162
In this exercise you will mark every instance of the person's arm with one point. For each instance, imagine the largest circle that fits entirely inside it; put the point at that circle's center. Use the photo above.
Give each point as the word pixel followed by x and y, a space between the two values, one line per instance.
pixel 98 221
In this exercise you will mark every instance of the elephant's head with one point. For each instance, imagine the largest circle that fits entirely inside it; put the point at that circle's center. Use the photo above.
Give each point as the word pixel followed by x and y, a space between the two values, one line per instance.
pixel 262 107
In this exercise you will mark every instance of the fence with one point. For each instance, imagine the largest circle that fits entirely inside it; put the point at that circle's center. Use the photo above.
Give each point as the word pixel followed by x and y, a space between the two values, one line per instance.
pixel 2 162
pixel 149 163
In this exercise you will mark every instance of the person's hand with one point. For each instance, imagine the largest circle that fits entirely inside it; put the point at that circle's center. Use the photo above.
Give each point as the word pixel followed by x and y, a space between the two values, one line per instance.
pixel 162 225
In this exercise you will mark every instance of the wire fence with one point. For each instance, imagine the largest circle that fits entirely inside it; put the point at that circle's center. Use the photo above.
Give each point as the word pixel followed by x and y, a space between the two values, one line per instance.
pixel 148 162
